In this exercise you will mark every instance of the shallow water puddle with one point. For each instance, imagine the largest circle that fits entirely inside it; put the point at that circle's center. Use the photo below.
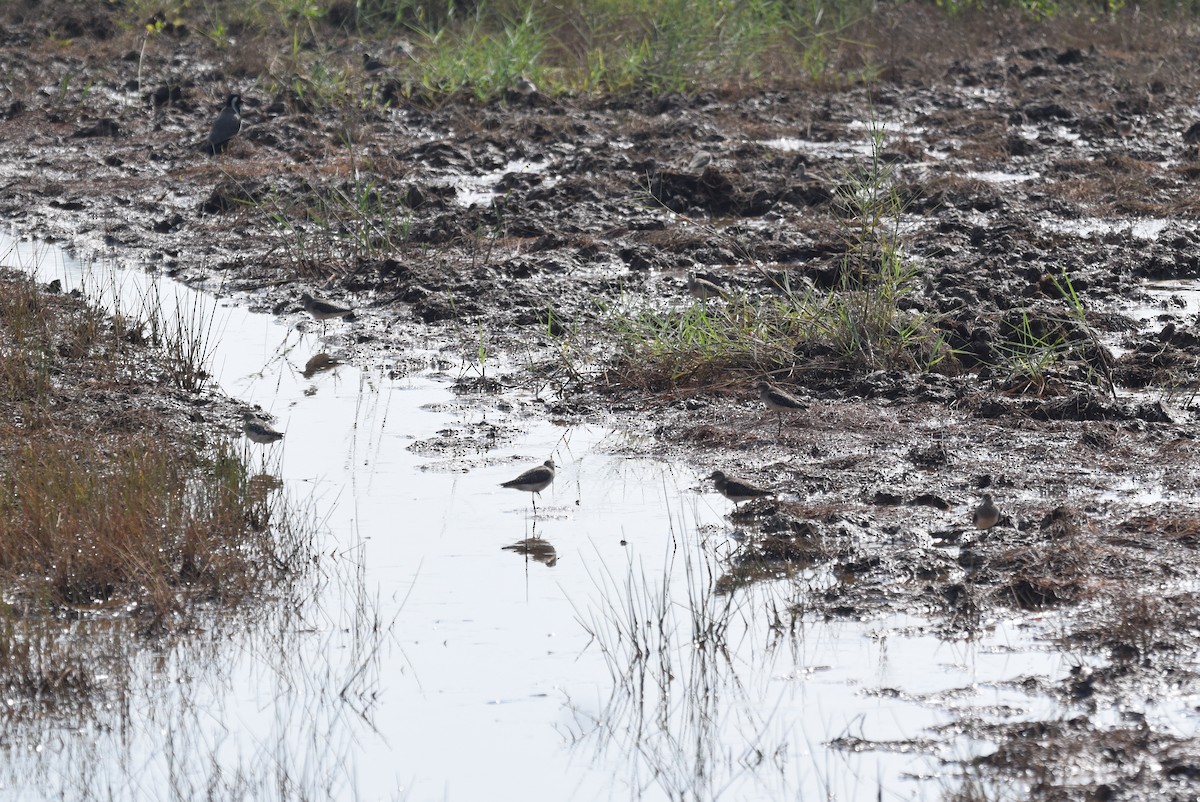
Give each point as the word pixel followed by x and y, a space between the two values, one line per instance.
pixel 1163 302
pixel 438 664
pixel 480 189
pixel 1178 299
pixel 889 133
pixel 1001 177
pixel 1146 229
pixel 789 144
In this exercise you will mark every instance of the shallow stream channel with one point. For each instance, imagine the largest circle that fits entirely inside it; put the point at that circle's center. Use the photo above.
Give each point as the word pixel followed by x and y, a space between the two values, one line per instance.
pixel 463 648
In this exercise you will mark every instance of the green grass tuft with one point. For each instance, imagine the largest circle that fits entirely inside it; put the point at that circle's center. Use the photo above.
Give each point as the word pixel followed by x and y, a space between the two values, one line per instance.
pixel 869 320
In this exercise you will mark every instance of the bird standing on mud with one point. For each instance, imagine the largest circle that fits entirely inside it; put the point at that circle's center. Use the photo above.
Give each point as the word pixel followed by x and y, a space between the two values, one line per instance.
pixel 778 401
pixel 987 514
pixel 534 480
pixel 226 126
pixel 525 87
pixel 736 490
pixel 703 289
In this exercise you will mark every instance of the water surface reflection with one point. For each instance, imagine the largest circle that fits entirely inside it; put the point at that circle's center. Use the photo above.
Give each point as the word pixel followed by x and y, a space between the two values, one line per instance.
pixel 459 644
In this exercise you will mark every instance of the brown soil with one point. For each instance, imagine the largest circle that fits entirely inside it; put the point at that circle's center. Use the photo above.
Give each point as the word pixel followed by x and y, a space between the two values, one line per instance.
pixel 1010 149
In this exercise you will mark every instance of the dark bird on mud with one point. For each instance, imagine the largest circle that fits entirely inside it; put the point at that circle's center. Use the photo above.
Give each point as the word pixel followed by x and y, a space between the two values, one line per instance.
pixel 226 126
pixel 736 490
pixel 534 480
pixel 704 289
pixel 987 514
pixel 779 401
pixel 258 430
pixel 165 95
pixel 322 310
pixel 371 64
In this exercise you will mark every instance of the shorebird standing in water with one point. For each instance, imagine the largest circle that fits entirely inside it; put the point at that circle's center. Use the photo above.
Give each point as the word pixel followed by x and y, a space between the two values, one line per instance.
pixel 534 480
pixel 779 401
pixel 703 289
pixel 258 430
pixel 322 310
pixel 736 490
pixel 987 514
pixel 226 126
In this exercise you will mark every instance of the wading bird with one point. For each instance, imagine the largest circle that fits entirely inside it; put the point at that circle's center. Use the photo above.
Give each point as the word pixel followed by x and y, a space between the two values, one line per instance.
pixel 258 430
pixel 736 490
pixel 703 289
pixel 534 480
pixel 322 310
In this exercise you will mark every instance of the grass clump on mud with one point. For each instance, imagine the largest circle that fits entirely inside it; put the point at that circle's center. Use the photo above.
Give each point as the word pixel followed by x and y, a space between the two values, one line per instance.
pixel 480 49
pixel 337 227
pixel 1047 348
pixel 868 313
pixel 869 318
pixel 113 511
pixel 428 51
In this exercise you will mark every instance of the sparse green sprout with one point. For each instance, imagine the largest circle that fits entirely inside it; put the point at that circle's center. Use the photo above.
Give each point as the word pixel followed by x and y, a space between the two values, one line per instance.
pixel 1044 348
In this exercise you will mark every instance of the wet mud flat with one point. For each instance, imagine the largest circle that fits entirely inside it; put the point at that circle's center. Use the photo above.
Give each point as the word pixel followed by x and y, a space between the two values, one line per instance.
pixel 1049 189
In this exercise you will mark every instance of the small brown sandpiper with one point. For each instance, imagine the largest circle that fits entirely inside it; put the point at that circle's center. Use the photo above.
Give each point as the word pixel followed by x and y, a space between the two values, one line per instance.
pixel 322 310
pixel 987 514
pixel 701 160
pixel 525 87
pixel 704 289
pixel 779 401
pixel 534 480
pixel 258 430
pixel 736 490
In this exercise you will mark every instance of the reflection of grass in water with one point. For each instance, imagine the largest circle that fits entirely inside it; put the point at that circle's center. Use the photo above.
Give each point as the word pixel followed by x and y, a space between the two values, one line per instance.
pixel 162 723
pixel 678 705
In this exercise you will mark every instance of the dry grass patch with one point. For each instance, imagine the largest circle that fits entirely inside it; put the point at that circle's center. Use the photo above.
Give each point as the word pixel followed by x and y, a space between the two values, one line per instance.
pixel 110 506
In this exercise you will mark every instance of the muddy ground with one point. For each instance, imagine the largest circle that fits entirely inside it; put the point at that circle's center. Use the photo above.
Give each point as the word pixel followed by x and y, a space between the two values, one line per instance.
pixel 1022 155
